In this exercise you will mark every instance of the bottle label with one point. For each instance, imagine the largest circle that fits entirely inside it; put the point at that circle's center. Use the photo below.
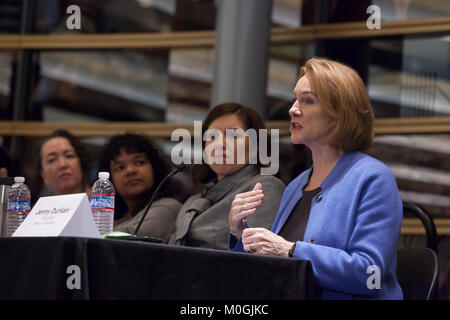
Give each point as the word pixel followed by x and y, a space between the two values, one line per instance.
pixel 21 204
pixel 100 201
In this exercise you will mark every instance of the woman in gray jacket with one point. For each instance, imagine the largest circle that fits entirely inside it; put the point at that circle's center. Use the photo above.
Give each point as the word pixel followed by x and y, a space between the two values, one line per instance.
pixel 203 219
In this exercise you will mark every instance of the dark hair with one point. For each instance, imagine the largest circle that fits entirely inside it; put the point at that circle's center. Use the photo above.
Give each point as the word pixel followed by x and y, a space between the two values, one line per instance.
pixel 135 143
pixel 7 162
pixel 80 150
pixel 202 173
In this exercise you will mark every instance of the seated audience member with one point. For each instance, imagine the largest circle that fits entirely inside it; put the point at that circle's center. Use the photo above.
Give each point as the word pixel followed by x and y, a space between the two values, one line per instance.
pixel 344 214
pixel 6 164
pixel 137 168
pixel 64 163
pixel 203 219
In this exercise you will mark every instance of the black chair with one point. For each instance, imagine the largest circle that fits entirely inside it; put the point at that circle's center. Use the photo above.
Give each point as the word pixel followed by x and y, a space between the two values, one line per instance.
pixel 417 273
pixel 418 268
pixel 428 223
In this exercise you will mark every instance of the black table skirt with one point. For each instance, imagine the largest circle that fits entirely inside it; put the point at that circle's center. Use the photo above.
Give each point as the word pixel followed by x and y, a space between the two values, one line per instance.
pixel 36 268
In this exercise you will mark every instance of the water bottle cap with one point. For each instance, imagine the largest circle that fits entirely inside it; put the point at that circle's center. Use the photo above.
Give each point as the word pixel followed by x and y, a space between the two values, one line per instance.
pixel 103 175
pixel 19 179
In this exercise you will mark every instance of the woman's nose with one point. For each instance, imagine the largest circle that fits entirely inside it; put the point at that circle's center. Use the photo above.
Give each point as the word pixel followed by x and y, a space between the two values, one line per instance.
pixel 62 162
pixel 294 110
pixel 220 141
pixel 130 169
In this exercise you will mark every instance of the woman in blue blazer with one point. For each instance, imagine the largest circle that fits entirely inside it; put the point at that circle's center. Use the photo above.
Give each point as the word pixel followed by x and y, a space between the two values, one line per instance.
pixel 344 214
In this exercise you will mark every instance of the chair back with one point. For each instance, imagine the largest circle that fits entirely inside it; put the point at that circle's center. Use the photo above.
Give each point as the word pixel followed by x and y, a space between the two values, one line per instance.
pixel 417 273
pixel 427 221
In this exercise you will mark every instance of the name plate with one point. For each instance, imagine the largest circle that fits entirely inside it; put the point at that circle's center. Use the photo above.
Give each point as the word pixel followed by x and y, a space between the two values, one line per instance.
pixel 60 216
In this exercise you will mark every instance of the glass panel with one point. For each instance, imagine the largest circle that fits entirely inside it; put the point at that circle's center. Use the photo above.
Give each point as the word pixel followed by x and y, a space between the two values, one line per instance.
pixel 410 77
pixel 115 16
pixel 126 85
pixel 7 62
pixel 191 15
pixel 191 78
pixel 392 10
pixel 420 165
pixel 10 12
pixel 286 13
pixel 422 170
pixel 134 16
pixel 107 85
pixel 284 65
pixel 105 16
pixel 327 11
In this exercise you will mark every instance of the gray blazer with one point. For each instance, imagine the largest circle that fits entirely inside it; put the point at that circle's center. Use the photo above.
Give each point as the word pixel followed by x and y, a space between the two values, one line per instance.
pixel 159 222
pixel 203 219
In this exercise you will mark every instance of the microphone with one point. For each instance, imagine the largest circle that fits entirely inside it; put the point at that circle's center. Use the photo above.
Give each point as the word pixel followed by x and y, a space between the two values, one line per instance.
pixel 177 169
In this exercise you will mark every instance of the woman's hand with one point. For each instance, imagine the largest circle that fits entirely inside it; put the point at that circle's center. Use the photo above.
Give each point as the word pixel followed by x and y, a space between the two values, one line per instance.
pixel 243 205
pixel 263 241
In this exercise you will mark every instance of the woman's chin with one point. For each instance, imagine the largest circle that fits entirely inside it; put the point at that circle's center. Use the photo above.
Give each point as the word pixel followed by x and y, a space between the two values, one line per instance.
pixel 68 189
pixel 226 169
pixel 296 140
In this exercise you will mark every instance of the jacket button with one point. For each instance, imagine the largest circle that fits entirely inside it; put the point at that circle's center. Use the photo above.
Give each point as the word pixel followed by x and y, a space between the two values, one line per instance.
pixel 319 198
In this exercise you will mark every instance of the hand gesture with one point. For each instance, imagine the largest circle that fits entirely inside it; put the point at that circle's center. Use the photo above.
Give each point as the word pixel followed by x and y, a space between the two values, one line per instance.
pixel 243 205
pixel 263 241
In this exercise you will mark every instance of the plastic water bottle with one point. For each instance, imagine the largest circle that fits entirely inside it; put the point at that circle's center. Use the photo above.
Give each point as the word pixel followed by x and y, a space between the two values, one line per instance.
pixel 19 205
pixel 102 203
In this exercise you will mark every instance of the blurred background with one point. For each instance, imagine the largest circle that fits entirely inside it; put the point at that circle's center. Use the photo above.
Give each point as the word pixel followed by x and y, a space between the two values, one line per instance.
pixel 138 63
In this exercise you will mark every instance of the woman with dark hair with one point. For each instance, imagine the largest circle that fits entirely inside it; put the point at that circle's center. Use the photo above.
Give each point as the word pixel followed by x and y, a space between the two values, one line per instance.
pixel 137 167
pixel 64 163
pixel 203 219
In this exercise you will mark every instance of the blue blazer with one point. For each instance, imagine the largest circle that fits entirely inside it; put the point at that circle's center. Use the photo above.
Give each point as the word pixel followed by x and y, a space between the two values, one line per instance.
pixel 352 231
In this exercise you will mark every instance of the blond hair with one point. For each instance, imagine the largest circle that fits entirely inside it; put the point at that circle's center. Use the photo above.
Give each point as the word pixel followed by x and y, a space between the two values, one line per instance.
pixel 343 96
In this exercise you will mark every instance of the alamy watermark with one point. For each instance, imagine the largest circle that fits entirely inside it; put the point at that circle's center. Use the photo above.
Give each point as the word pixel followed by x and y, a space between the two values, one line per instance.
pixel 74 280
pixel 220 148
pixel 74 20
pixel 374 21
pixel 374 280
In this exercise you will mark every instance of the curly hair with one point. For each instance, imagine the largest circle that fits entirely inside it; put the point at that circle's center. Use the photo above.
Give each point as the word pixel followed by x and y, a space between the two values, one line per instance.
pixel 135 143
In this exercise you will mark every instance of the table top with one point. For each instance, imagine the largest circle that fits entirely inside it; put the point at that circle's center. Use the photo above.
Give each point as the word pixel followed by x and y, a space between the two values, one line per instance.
pixel 51 267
